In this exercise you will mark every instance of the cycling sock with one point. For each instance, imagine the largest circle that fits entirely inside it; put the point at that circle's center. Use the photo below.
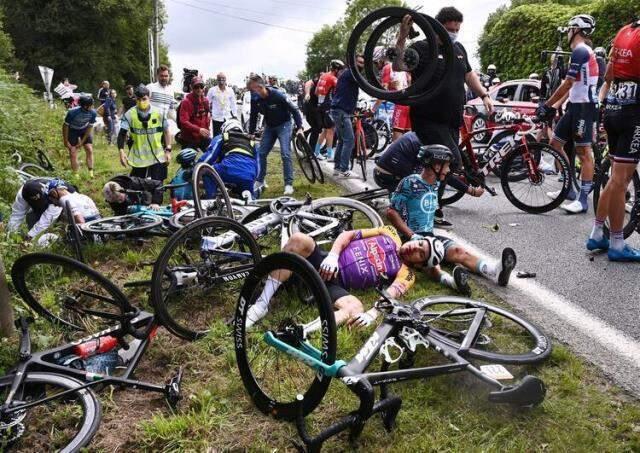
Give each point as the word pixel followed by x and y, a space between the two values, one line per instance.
pixel 489 269
pixel 617 240
pixel 597 232
pixel 270 288
pixel 314 325
pixel 330 153
pixel 447 280
pixel 316 151
pixel 585 189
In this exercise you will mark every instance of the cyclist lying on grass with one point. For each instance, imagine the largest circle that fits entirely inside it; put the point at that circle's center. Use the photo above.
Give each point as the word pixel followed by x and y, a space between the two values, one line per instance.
pixel 358 259
pixel 412 212
pixel 115 194
pixel 83 209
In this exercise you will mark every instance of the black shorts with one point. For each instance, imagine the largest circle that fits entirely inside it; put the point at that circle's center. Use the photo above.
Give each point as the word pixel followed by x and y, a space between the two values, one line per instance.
pixel 325 120
pixel 336 290
pixel 157 171
pixel 441 134
pixel 386 181
pixel 578 124
pixel 622 124
pixel 76 135
pixel 311 115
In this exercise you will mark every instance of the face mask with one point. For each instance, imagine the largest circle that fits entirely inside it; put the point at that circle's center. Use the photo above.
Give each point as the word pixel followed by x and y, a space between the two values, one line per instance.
pixel 142 105
pixel 453 36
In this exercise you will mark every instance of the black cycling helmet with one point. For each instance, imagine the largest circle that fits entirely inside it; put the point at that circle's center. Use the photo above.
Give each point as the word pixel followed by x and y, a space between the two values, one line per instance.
pixel 336 65
pixel 141 91
pixel 430 154
pixel 86 100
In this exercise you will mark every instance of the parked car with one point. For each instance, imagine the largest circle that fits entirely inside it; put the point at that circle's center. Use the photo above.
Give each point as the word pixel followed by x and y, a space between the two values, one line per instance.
pixel 520 96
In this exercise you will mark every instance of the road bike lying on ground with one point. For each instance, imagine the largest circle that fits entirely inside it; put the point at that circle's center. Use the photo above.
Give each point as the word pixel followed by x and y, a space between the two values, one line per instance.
pixel 47 401
pixel 528 171
pixel 306 159
pixel 288 358
pixel 198 274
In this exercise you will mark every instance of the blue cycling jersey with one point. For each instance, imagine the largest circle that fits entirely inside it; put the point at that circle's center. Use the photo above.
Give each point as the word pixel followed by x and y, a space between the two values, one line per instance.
pixel 79 119
pixel 416 201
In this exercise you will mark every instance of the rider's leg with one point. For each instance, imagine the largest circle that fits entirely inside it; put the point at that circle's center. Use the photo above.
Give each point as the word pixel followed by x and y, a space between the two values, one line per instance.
pixel 585 154
pixel 497 271
pixel 612 203
pixel 347 307
pixel 88 149
pixel 73 156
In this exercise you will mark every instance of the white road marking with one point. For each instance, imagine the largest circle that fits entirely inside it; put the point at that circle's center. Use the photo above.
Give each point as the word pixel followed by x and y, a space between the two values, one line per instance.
pixel 593 327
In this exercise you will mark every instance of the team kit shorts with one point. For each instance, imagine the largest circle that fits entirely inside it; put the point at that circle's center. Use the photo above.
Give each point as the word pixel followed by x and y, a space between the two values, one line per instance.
pixel 334 286
pixel 76 135
pixel 578 124
pixel 401 120
pixel 622 124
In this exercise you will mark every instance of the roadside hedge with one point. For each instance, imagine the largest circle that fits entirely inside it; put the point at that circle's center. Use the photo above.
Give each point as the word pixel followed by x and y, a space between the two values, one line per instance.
pixel 514 38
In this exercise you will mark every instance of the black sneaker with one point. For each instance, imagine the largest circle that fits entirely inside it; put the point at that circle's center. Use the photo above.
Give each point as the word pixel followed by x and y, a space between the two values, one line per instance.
pixel 442 223
pixel 461 278
pixel 508 263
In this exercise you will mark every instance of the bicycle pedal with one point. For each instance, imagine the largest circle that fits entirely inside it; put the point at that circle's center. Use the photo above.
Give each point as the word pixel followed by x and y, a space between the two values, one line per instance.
pixel 386 353
pixel 173 390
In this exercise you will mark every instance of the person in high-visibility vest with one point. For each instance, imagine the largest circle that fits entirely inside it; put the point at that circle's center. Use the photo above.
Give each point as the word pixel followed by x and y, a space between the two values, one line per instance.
pixel 146 125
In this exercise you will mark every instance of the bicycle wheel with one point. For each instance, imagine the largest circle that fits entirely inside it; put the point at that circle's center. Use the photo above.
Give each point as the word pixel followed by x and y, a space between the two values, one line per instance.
pixel 304 155
pixel 451 195
pixel 502 337
pixel 273 378
pixel 210 196
pixel 361 155
pixel 73 233
pixel 384 136
pixel 34 170
pixel 509 135
pixel 370 138
pixel 44 161
pixel 182 218
pixel 80 300
pixel 126 224
pixel 528 184
pixel 351 215
pixel 198 275
pixel 317 170
pixel 65 424
pixel 632 198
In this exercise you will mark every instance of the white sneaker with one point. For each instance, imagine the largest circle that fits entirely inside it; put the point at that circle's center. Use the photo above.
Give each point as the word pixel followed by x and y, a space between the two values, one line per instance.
pixel 336 172
pixel 258 186
pixel 288 190
pixel 255 313
pixel 348 174
pixel 575 207
pixel 320 157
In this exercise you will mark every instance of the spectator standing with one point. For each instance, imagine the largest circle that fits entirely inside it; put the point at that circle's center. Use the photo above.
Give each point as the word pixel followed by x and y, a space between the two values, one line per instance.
pixel 343 105
pixel 103 92
pixel 129 99
pixel 194 117
pixel 108 112
pixel 161 93
pixel 147 126
pixel 277 110
pixel 77 132
pixel 223 103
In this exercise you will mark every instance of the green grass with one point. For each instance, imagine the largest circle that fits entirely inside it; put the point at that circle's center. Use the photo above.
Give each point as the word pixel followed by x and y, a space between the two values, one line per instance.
pixel 582 411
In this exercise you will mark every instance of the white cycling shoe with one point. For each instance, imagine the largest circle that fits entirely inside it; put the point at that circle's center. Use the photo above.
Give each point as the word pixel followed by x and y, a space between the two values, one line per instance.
pixel 575 207
pixel 288 190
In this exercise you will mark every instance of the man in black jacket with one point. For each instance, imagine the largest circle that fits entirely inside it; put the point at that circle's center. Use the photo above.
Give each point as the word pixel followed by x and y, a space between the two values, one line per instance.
pixel 115 193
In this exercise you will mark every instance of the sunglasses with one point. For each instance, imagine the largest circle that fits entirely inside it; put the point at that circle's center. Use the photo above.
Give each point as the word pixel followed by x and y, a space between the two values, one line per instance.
pixel 198 86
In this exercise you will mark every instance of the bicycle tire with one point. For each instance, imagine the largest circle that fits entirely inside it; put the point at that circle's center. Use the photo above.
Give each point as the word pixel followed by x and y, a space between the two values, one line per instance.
pixel 251 340
pixel 132 224
pixel 506 181
pixel 497 139
pixel 484 137
pixel 189 329
pixel 602 179
pixel 304 157
pixel 181 219
pixel 73 232
pixel 384 132
pixel 461 172
pixel 369 213
pixel 223 202
pixel 34 384
pixel 539 345
pixel 370 138
pixel 44 160
pixel 104 292
pixel 34 170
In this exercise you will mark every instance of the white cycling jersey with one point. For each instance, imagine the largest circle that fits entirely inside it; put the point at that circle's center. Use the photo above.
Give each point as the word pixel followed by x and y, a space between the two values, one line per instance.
pixel 583 68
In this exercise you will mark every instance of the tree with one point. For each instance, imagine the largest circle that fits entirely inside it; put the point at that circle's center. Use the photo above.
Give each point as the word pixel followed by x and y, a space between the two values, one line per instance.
pixel 85 40
pixel 6 46
pixel 6 312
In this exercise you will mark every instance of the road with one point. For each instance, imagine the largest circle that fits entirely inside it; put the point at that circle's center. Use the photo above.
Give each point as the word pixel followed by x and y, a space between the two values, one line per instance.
pixel 590 305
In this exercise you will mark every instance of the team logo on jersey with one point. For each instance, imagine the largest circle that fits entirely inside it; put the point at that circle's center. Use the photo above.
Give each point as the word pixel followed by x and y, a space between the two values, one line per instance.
pixel 428 203
pixel 376 256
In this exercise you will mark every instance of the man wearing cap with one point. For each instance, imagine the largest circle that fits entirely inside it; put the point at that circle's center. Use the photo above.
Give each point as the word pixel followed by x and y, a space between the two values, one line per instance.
pixel 146 125
pixel 194 117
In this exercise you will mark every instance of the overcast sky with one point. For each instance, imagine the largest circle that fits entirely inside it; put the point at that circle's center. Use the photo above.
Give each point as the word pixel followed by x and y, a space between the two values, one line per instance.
pixel 204 36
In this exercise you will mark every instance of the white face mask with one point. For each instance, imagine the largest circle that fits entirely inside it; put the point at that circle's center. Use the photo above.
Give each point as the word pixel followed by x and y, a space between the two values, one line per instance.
pixel 453 36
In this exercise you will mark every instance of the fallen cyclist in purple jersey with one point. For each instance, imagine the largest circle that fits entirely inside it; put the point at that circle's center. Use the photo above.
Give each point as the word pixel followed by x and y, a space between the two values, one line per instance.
pixel 358 259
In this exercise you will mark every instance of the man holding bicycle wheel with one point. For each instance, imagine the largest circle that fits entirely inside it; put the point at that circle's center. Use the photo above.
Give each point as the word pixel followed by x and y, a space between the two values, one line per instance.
pixel 358 259
pixel 438 121
pixel 412 211
pixel 622 123
pixel 578 122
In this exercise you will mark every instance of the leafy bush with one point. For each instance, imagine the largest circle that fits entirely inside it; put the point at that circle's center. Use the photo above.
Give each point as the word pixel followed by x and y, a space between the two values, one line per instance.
pixel 514 38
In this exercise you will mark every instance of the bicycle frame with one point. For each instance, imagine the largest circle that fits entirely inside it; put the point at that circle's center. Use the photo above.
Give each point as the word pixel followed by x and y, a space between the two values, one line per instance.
pixel 45 361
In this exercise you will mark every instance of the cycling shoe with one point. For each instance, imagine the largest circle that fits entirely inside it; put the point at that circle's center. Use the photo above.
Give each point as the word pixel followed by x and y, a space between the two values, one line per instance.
pixel 602 244
pixel 627 254
pixel 461 278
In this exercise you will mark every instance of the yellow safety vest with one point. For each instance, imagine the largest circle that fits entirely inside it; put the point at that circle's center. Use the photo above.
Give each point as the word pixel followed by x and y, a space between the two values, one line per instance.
pixel 147 139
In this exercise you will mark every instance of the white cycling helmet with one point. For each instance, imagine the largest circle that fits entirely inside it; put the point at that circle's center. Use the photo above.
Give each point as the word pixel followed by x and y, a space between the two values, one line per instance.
pixel 496 81
pixel 534 76
pixel 232 125
pixel 492 67
pixel 584 22
pixel 436 251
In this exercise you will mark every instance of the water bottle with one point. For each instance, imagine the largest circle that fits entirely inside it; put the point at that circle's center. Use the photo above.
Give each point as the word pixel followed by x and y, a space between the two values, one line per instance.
pixel 97 346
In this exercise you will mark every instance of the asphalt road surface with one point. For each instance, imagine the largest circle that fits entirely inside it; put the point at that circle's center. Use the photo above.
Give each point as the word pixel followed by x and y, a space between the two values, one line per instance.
pixel 591 305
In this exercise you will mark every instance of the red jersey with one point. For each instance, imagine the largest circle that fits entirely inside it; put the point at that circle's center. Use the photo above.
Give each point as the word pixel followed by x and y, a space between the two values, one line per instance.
pixel 625 55
pixel 325 86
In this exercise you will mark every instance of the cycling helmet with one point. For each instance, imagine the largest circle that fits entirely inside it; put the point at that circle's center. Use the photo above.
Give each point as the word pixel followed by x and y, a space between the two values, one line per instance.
pixel 584 22
pixel 436 251
pixel 600 52
pixel 379 53
pixel 86 100
pixel 429 154
pixel 496 81
pixel 336 65
pixel 141 91
pixel 492 67
pixel 534 76
pixel 232 125
pixel 55 184
pixel 186 157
